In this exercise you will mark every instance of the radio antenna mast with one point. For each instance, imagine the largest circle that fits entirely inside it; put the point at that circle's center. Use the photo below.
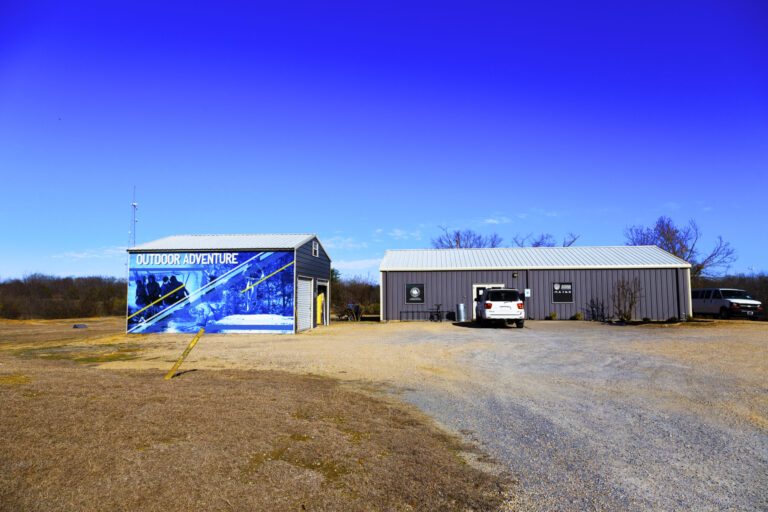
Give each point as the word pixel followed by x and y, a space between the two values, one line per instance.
pixel 134 220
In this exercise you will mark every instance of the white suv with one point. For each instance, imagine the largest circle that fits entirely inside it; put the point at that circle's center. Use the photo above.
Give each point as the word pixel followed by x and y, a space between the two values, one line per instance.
pixel 725 303
pixel 501 304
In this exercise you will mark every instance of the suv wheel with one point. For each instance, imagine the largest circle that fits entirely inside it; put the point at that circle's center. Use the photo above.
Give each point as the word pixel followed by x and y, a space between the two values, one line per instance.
pixel 724 313
pixel 519 324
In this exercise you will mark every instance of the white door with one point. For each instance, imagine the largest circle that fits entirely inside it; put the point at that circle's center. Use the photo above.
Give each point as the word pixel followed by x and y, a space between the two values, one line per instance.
pixel 477 293
pixel 304 304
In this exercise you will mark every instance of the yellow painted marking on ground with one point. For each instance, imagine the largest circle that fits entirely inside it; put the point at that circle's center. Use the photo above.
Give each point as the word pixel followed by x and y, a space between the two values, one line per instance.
pixel 185 354
pixel 158 300
pixel 270 275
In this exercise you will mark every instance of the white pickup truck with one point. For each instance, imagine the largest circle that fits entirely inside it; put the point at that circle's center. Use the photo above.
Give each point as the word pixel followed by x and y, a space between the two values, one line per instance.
pixel 501 304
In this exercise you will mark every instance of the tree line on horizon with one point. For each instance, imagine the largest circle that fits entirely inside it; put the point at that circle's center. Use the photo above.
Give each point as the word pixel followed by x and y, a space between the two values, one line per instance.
pixel 45 296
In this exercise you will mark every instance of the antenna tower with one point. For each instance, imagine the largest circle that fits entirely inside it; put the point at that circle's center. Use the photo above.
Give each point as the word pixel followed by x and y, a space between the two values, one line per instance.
pixel 134 220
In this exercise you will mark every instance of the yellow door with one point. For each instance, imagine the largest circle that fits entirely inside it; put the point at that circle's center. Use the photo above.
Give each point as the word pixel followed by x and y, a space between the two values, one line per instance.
pixel 320 299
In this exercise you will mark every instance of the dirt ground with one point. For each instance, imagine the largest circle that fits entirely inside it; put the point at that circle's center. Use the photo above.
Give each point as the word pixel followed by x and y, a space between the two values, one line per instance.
pixel 74 436
pixel 347 351
pixel 583 416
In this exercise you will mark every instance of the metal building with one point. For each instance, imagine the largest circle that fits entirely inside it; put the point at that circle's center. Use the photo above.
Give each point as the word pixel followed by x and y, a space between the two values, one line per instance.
pixel 229 283
pixel 562 280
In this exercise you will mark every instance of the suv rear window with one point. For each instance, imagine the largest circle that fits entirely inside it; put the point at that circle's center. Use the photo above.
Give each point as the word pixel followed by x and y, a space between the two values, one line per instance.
pixel 503 295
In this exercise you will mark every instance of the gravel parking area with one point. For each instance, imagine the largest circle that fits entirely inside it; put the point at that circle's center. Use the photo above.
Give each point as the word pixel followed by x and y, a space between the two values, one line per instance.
pixel 584 416
pixel 594 417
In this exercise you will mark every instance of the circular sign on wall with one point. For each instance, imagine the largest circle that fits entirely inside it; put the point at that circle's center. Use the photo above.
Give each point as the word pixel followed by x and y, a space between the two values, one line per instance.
pixel 414 293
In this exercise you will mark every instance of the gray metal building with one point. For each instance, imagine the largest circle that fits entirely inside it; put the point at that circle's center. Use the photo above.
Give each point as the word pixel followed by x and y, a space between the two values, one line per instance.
pixel 562 280
pixel 278 283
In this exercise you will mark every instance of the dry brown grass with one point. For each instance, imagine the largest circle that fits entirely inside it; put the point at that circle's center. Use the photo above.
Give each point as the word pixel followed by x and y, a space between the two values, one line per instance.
pixel 45 332
pixel 75 437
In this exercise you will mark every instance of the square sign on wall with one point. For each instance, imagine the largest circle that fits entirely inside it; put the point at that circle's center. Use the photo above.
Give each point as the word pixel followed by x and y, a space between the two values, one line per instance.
pixel 414 293
pixel 562 292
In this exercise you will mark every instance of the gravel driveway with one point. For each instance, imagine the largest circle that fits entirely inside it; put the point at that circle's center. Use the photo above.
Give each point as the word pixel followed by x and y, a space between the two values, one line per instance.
pixel 590 420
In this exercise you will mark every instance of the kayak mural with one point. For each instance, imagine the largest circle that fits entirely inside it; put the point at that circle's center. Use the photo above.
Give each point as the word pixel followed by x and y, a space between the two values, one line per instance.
pixel 219 291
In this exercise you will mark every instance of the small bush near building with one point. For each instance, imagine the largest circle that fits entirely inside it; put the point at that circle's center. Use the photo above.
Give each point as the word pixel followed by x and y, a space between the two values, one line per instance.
pixel 577 316
pixel 552 316
pixel 626 295
pixel 596 311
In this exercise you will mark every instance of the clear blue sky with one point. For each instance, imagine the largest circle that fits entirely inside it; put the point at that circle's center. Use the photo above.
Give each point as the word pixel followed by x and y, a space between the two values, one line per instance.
pixel 373 125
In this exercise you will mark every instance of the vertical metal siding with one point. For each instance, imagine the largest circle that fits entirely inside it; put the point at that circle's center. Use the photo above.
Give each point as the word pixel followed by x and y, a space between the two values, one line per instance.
pixel 317 267
pixel 664 292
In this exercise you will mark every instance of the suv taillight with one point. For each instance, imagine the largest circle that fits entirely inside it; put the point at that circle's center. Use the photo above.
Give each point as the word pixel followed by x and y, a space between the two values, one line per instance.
pixel 520 305
pixel 488 305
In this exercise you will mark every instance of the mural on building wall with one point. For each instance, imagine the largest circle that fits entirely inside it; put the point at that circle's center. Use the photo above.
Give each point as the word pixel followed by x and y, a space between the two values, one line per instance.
pixel 219 291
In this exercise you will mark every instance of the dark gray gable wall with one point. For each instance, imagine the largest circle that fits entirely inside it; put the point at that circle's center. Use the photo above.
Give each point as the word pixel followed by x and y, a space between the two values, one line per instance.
pixel 316 267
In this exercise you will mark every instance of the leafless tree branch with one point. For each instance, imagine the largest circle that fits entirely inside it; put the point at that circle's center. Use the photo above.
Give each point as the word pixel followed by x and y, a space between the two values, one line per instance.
pixel 682 242
pixel 464 239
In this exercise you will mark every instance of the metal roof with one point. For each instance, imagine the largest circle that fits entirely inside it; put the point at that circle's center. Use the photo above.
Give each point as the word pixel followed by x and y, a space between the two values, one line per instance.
pixel 521 258
pixel 224 242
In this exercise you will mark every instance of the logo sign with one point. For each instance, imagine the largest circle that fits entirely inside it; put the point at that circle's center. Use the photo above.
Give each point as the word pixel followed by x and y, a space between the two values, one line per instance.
pixel 414 293
pixel 527 293
pixel 562 292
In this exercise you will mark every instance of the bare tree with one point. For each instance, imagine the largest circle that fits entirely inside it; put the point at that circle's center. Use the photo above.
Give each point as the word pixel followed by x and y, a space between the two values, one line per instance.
pixel 570 239
pixel 626 295
pixel 682 242
pixel 543 240
pixel 464 239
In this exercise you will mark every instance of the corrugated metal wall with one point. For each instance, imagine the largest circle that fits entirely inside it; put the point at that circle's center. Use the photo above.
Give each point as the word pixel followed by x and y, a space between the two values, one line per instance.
pixel 664 291
pixel 316 267
pixel 442 287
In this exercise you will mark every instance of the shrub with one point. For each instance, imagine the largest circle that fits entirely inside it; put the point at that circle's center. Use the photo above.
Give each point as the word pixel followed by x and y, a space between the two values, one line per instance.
pixel 552 316
pixel 577 316
pixel 596 311
pixel 626 295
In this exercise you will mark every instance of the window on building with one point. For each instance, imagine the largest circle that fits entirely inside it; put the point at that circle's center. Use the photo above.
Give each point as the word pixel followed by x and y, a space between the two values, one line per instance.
pixel 315 249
